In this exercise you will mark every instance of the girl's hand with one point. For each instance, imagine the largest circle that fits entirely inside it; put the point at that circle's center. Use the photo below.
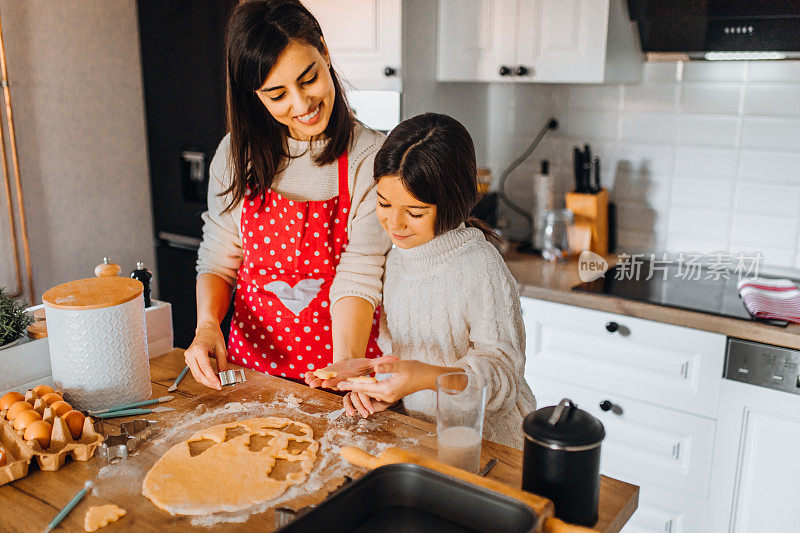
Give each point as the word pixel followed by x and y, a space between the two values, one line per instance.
pixel 408 376
pixel 354 401
pixel 208 341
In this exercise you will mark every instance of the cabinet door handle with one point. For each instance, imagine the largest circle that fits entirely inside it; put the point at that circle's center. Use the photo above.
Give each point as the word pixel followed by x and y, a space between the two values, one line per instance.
pixel 612 327
pixel 389 72
pixel 607 405
pixel 504 70
pixel 522 71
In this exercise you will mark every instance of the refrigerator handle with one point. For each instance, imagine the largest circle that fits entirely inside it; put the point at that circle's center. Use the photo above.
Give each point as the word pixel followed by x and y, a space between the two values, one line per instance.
pixel 182 242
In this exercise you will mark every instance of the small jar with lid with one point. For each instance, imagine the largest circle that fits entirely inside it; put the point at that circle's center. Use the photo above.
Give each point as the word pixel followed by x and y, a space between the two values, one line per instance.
pixel 561 460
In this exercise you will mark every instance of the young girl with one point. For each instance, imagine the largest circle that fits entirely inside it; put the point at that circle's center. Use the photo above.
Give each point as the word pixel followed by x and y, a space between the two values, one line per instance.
pixel 450 304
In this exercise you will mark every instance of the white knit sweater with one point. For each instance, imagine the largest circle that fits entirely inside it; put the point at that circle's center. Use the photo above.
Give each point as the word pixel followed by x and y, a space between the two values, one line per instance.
pixel 453 302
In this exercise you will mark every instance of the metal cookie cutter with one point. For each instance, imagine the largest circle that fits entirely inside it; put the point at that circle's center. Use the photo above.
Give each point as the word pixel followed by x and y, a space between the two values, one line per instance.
pixel 132 435
pixel 232 377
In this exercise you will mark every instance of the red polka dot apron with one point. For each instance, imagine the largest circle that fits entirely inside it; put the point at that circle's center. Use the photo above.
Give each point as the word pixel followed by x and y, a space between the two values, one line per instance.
pixel 282 321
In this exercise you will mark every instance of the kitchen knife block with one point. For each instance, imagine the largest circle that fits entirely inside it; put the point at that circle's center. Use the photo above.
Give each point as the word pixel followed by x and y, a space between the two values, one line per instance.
pixel 591 215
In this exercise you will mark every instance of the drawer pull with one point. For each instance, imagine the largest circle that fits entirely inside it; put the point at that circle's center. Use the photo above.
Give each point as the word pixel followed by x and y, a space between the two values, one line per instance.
pixel 606 405
pixel 612 327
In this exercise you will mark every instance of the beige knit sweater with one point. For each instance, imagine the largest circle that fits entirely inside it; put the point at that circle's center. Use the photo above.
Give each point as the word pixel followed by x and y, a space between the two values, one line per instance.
pixel 361 265
pixel 453 302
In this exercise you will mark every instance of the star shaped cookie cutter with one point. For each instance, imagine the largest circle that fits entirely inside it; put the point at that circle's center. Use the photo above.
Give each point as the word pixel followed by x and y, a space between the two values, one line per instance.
pixel 132 435
pixel 232 377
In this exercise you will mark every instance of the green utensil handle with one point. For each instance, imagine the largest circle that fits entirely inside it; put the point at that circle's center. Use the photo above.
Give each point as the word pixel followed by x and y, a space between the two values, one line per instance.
pixel 125 406
pixel 124 412
pixel 67 508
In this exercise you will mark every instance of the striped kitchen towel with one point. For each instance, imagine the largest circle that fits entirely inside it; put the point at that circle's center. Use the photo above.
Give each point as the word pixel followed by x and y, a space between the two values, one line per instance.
pixel 777 299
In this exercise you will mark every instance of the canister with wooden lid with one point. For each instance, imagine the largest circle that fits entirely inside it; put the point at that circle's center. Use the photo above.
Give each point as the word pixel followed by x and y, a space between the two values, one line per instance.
pixel 98 342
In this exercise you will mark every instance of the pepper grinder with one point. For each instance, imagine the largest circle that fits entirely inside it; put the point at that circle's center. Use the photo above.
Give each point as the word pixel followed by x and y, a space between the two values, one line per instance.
pixel 107 268
pixel 143 275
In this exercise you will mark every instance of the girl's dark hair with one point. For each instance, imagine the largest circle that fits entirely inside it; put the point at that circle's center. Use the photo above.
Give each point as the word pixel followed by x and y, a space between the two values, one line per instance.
pixel 434 158
pixel 257 33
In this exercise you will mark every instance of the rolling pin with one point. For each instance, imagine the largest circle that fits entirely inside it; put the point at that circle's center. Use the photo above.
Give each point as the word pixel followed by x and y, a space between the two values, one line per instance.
pixel 542 506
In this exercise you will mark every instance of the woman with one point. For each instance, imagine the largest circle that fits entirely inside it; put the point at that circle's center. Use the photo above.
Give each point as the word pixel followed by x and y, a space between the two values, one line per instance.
pixel 291 222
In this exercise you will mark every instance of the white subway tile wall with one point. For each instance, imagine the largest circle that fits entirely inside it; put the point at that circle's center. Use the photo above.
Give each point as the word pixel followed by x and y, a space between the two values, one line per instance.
pixel 700 157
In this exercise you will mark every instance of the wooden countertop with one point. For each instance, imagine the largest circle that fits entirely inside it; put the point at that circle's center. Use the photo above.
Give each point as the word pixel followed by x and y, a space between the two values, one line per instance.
pixel 28 504
pixel 554 282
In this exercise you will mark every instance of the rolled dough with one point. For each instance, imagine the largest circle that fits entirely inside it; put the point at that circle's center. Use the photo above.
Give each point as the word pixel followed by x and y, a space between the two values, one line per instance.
pixel 227 467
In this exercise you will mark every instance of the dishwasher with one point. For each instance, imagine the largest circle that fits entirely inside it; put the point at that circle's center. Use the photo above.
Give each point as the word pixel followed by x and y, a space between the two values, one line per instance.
pixel 756 466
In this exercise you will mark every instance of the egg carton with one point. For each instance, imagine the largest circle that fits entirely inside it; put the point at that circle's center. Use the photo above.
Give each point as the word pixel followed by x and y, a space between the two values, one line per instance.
pixel 18 455
pixel 62 445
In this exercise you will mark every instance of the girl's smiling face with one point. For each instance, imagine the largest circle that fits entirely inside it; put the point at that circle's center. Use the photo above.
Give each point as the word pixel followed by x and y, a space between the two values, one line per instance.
pixel 299 91
pixel 408 221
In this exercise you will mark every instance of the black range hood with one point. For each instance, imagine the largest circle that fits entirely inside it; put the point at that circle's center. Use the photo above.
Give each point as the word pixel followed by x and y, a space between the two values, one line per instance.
pixel 719 29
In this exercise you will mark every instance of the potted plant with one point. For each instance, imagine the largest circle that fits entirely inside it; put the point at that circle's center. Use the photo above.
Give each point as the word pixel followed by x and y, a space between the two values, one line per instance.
pixel 13 320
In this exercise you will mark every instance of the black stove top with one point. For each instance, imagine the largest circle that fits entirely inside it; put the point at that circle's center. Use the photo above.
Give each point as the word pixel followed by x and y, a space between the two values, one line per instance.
pixel 710 293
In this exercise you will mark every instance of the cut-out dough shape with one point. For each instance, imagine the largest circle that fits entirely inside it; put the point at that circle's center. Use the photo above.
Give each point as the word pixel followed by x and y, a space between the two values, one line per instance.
pixel 230 475
pixel 325 374
pixel 102 515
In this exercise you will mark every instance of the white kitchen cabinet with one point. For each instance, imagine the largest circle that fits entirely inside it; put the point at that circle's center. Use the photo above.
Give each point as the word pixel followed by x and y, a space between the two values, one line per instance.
pixel 654 445
pixel 675 367
pixel 666 454
pixel 364 40
pixel 556 41
pixel 476 38
pixel 756 460
pixel 654 386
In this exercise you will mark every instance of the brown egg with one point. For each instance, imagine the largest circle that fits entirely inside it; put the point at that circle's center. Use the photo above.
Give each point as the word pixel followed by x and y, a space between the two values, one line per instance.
pixel 25 418
pixel 39 430
pixel 16 408
pixel 41 390
pixel 9 399
pixel 74 420
pixel 59 408
pixel 51 397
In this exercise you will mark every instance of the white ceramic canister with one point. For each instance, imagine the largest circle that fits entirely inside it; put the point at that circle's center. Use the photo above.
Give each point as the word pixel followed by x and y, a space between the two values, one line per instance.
pixel 98 342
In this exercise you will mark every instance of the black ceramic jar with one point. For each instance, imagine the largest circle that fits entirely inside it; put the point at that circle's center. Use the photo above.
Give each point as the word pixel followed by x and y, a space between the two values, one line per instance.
pixel 562 460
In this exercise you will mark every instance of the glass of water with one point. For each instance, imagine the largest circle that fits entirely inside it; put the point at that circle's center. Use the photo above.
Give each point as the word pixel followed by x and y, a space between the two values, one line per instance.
pixel 460 404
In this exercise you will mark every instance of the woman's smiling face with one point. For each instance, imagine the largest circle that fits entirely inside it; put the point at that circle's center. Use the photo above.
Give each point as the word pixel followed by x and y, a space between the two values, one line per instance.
pixel 408 221
pixel 299 91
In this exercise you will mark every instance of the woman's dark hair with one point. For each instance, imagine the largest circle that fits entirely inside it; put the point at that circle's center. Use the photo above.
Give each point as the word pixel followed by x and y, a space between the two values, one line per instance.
pixel 434 158
pixel 257 33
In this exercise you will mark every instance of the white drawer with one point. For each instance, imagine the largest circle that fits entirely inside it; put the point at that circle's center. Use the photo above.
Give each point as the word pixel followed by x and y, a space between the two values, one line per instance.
pixel 666 511
pixel 679 368
pixel 643 442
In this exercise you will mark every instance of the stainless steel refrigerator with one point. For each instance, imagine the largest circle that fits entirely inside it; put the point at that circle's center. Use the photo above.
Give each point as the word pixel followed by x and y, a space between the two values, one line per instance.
pixel 182 51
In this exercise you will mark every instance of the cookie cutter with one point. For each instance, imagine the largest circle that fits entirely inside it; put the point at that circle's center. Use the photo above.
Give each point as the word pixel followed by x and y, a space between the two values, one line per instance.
pixel 232 377
pixel 132 435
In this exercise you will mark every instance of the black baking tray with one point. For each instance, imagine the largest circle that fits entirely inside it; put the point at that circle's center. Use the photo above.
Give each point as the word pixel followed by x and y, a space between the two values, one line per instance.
pixel 410 498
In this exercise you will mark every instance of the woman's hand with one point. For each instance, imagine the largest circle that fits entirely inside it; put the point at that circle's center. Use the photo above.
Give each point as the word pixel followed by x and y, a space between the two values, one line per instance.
pixel 354 401
pixel 408 376
pixel 208 341
pixel 344 369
